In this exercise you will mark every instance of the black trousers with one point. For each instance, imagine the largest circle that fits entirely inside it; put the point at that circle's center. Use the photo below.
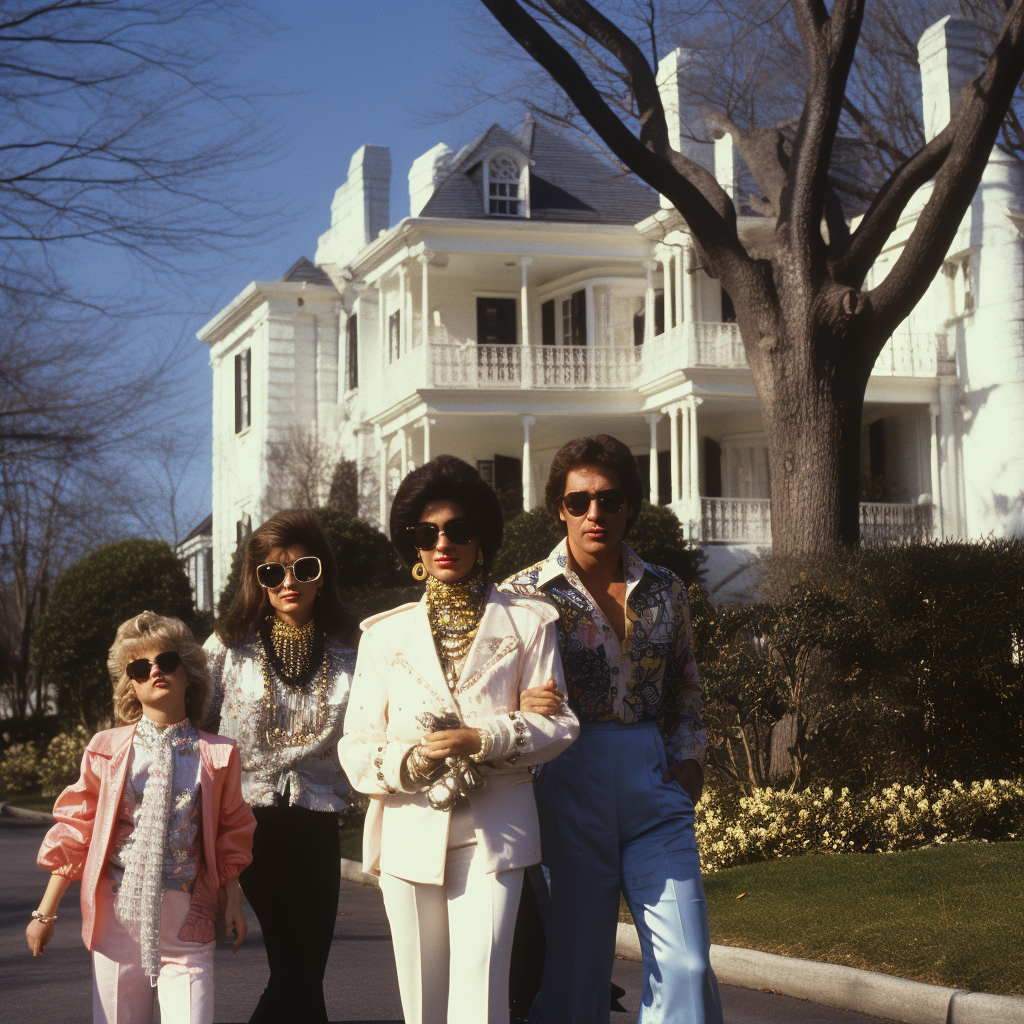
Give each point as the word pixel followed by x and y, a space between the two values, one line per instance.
pixel 292 885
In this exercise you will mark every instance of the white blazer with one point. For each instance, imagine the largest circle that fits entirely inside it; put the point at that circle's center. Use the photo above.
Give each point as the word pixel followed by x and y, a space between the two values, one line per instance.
pixel 397 677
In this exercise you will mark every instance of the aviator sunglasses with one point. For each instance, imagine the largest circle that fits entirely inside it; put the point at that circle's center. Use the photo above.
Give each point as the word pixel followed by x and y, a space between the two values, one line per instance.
pixel 139 668
pixel 577 503
pixel 304 570
pixel 458 531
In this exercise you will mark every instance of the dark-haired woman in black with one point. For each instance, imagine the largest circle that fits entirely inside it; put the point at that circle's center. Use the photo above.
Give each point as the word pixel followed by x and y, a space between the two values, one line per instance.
pixel 282 662
pixel 437 735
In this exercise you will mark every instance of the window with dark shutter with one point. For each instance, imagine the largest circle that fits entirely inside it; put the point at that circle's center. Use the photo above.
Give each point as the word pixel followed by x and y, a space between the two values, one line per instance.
pixel 243 390
pixel 547 322
pixel 352 339
pixel 574 319
pixel 496 322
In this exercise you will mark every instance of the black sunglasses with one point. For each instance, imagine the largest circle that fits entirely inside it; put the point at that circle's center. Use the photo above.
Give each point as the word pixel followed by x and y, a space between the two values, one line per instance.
pixel 139 668
pixel 304 570
pixel 577 503
pixel 458 531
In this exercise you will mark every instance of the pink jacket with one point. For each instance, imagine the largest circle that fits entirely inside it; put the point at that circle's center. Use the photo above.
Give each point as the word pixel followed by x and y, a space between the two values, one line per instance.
pixel 79 845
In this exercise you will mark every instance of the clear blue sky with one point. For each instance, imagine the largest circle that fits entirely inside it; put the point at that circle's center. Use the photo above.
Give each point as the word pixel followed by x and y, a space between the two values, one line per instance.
pixel 338 74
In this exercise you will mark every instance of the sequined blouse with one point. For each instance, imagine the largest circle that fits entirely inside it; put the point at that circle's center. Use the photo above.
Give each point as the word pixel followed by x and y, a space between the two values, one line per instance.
pixel 300 762
pixel 181 847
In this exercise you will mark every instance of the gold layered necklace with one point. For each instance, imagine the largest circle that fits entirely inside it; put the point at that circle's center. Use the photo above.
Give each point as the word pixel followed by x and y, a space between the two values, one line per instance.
pixel 294 714
pixel 454 611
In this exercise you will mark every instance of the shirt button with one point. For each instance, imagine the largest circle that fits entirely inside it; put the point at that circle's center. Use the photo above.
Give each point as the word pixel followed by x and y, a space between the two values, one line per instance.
pixel 615 671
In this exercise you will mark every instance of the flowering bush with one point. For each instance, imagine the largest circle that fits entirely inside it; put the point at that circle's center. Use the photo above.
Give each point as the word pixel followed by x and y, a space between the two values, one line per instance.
pixel 776 823
pixel 61 764
pixel 18 769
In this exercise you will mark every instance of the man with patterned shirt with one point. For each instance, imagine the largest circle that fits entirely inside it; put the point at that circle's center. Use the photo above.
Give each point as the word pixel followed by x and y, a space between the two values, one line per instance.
pixel 617 808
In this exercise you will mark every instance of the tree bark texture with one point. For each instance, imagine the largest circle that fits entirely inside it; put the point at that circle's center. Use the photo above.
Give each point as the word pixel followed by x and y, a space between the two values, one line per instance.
pixel 811 334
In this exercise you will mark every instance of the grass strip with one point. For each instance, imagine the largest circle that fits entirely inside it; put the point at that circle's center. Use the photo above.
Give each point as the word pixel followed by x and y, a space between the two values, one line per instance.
pixel 30 801
pixel 950 915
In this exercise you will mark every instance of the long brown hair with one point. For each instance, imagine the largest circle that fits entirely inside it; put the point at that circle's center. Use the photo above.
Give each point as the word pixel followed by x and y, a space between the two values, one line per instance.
pixel 251 604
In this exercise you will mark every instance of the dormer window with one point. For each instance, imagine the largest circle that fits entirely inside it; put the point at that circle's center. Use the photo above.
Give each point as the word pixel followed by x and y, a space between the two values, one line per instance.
pixel 506 186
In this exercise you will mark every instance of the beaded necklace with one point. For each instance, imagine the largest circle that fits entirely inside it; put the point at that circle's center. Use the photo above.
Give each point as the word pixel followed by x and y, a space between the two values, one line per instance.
pixel 454 611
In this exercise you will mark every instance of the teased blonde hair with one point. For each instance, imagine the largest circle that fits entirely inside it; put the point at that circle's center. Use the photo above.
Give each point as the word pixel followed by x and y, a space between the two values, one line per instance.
pixel 151 632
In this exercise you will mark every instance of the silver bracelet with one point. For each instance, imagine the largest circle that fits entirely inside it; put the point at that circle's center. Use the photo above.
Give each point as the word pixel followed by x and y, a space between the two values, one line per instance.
pixel 42 918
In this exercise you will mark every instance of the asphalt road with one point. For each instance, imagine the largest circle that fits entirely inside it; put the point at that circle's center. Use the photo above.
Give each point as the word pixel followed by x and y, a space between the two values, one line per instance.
pixel 361 985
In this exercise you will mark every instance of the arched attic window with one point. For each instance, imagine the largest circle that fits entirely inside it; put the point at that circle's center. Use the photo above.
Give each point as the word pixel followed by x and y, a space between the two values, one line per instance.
pixel 506 186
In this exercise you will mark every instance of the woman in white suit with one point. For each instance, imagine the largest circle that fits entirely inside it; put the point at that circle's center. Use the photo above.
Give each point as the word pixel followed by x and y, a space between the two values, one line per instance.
pixel 436 734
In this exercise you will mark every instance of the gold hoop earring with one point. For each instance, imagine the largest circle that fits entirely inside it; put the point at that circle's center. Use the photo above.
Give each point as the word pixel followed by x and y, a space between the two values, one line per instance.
pixel 419 572
pixel 479 556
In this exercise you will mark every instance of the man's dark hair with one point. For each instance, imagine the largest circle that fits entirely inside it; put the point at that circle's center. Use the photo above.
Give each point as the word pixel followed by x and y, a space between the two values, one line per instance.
pixel 601 450
pixel 446 478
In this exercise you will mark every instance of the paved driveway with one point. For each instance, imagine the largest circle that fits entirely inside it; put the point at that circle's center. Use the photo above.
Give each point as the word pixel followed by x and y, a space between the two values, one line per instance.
pixel 361 983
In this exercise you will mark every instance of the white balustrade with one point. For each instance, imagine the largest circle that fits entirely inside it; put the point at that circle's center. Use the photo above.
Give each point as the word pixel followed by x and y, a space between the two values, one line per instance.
pixel 718 345
pixel 749 521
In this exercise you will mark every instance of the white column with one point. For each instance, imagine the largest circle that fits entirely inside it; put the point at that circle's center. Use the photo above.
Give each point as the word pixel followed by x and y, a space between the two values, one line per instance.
pixel 686 493
pixel 524 300
pixel 652 421
pixel 688 284
pixel 426 423
pixel 673 444
pixel 694 450
pixel 382 309
pixel 528 421
pixel 383 509
pixel 936 487
pixel 666 279
pixel 649 266
pixel 403 453
pixel 424 259
pixel 403 292
pixel 680 276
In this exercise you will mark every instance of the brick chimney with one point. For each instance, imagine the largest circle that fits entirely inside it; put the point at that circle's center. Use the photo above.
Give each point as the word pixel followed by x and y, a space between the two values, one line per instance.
pixel 686 129
pixel 361 208
pixel 425 175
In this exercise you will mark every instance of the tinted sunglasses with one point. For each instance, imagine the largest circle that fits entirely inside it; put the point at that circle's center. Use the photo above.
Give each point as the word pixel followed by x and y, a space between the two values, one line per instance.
pixel 139 669
pixel 304 570
pixel 577 503
pixel 458 531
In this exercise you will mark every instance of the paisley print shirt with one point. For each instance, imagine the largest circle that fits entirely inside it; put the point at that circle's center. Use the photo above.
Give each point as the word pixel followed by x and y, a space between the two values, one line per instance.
pixel 652 676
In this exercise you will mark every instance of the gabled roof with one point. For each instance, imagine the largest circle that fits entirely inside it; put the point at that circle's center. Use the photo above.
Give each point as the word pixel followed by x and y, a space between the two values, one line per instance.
pixel 567 181
pixel 303 270
pixel 205 528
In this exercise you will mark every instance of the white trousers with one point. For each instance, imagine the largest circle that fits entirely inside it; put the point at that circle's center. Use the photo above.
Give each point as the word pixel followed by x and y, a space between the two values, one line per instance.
pixel 453 942
pixel 123 994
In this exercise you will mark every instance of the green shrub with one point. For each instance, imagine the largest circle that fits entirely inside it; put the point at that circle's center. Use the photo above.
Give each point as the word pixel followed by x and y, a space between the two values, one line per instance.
pixel 89 601
pixel 19 768
pixel 61 764
pixel 366 558
pixel 528 537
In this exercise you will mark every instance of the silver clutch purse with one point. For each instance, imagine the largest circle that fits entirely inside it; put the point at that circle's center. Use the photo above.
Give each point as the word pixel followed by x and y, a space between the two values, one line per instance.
pixel 455 777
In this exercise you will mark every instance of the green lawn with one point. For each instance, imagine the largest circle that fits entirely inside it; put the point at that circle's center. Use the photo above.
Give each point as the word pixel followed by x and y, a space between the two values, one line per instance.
pixel 30 801
pixel 952 915
pixel 352 844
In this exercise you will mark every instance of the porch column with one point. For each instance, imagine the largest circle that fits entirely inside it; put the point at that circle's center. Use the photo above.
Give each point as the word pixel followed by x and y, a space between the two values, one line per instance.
pixel 652 421
pixel 382 327
pixel 528 421
pixel 524 300
pixel 425 423
pixel 673 445
pixel 679 306
pixel 403 453
pixel 424 259
pixel 649 266
pixel 686 490
pixel 694 450
pixel 936 487
pixel 403 324
pixel 383 505
pixel 687 282
pixel 666 280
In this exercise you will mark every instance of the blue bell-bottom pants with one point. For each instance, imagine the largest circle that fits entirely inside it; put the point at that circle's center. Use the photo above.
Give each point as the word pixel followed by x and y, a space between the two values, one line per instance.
pixel 609 823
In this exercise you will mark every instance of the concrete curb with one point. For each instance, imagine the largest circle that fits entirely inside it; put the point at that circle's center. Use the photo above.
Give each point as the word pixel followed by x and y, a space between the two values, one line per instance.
pixel 352 871
pixel 848 988
pixel 10 811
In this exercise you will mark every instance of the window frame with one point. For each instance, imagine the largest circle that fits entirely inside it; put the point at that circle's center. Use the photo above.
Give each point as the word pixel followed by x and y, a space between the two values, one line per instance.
pixel 243 390
pixel 522 199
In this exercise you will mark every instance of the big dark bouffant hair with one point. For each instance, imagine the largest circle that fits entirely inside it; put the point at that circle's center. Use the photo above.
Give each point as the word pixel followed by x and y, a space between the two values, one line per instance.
pixel 446 478
pixel 601 450
pixel 252 605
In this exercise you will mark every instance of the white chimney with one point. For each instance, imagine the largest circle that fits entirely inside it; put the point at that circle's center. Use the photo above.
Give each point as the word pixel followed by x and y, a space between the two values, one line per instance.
pixel 948 55
pixel 361 209
pixel 687 131
pixel 726 165
pixel 425 175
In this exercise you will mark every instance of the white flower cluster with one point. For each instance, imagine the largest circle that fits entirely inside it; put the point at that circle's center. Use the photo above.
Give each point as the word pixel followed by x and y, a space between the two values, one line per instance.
pixel 776 823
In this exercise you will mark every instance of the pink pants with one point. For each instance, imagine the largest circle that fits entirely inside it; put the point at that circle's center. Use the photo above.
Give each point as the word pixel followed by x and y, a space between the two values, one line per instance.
pixel 123 994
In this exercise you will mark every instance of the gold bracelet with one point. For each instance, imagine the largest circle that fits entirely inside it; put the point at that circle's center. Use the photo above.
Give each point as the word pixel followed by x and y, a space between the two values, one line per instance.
pixel 42 918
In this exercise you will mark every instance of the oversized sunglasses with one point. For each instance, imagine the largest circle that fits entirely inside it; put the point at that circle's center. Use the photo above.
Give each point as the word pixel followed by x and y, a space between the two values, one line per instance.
pixel 303 570
pixel 139 669
pixel 458 531
pixel 577 503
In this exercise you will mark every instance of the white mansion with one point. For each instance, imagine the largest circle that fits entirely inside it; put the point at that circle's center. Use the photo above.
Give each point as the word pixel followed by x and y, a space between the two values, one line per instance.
pixel 533 294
